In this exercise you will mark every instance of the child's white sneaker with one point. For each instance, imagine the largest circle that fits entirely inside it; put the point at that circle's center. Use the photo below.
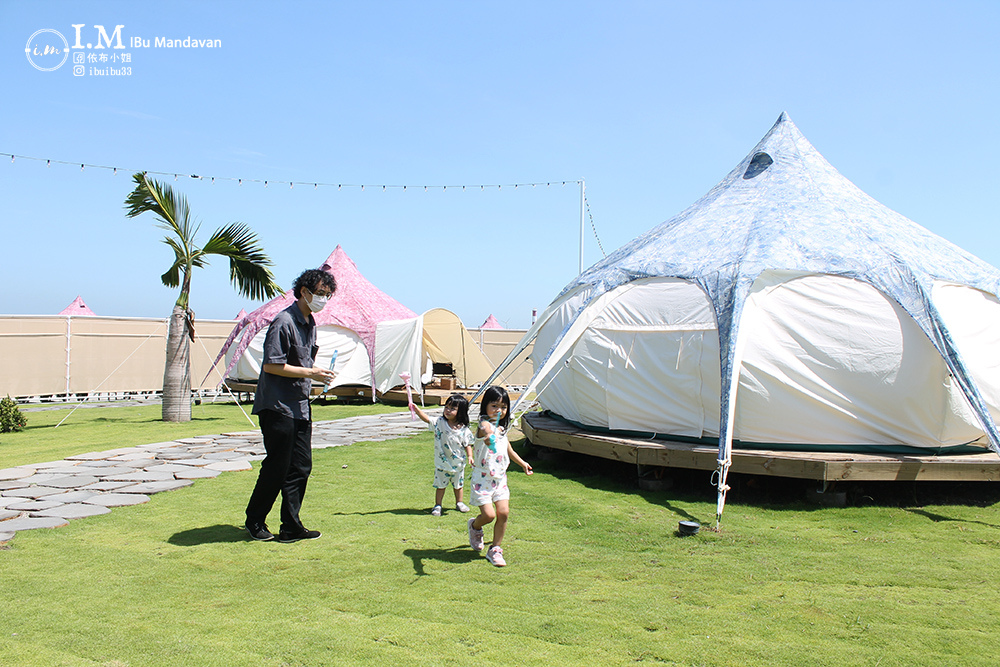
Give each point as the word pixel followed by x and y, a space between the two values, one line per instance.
pixel 461 507
pixel 436 511
pixel 495 556
pixel 475 536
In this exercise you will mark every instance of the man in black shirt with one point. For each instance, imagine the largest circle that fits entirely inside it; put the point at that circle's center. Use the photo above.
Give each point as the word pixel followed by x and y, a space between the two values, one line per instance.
pixel 281 403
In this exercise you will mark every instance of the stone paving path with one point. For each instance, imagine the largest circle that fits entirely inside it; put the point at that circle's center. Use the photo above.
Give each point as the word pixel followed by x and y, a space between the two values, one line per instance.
pixel 49 495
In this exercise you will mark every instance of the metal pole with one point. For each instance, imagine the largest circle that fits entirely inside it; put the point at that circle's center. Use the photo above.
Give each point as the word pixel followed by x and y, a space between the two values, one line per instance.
pixel 69 347
pixel 583 187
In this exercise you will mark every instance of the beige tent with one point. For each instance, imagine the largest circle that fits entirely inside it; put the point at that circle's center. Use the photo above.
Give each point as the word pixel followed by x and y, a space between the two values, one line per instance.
pixel 447 341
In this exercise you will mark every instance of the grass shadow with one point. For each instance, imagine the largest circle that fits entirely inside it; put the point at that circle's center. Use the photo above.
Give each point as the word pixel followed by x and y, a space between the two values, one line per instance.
pixel 400 511
pixel 456 555
pixel 219 533
pixel 937 518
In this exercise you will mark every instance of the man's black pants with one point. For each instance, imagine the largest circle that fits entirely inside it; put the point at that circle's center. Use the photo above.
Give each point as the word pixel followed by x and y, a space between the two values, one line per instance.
pixel 285 469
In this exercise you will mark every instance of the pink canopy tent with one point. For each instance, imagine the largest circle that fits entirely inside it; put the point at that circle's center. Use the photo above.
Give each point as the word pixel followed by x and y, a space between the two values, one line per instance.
pixel 77 308
pixel 491 323
pixel 357 305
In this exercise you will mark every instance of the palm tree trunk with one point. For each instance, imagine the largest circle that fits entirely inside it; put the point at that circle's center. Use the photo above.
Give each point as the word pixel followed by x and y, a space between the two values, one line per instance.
pixel 177 372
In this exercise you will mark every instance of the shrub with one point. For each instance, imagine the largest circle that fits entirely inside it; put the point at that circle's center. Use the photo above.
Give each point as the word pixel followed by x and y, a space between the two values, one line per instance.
pixel 11 418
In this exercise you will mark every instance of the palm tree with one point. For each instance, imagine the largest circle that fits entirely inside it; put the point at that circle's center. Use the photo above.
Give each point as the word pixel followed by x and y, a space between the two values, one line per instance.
pixel 247 270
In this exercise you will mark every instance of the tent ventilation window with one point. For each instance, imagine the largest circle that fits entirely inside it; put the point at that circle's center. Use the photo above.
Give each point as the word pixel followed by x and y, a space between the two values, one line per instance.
pixel 759 163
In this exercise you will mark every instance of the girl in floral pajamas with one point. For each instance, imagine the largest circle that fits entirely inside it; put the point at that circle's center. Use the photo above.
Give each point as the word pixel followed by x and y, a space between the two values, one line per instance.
pixel 489 460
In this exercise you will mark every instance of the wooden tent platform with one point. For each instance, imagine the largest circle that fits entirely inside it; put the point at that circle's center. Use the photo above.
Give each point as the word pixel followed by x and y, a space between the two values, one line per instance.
pixel 822 466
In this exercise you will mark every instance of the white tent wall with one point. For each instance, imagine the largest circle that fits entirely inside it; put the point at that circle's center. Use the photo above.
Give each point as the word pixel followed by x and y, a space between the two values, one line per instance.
pixel 826 361
pixel 648 360
pixel 973 318
pixel 830 360
pixel 353 366
pixel 398 349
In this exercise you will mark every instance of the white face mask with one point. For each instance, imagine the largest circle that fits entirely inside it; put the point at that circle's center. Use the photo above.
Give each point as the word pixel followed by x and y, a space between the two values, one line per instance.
pixel 317 303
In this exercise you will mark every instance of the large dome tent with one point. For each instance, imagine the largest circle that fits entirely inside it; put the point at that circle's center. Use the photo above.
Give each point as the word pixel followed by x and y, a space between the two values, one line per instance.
pixel 786 307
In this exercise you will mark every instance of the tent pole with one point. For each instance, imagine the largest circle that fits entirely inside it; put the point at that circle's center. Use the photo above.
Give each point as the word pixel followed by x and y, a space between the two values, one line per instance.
pixel 69 346
pixel 583 189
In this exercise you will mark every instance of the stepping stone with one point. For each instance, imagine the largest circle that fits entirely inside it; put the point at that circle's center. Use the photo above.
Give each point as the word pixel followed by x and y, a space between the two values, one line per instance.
pixel 105 486
pixel 104 473
pixel 48 464
pixel 31 523
pixel 5 536
pixel 73 511
pixel 72 481
pixel 70 497
pixel 149 488
pixel 9 513
pixel 39 478
pixel 223 456
pixel 94 456
pixel 29 506
pixel 174 455
pixel 138 464
pixel 32 492
pixel 8 474
pixel 227 466
pixel 157 446
pixel 4 501
pixel 89 465
pixel 196 473
pixel 67 470
pixel 193 462
pixel 140 476
pixel 172 468
pixel 117 499
pixel 133 456
pixel 13 484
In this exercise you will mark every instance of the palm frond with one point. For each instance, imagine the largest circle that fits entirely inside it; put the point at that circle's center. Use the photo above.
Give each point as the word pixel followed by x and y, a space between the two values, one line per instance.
pixel 172 278
pixel 171 209
pixel 247 262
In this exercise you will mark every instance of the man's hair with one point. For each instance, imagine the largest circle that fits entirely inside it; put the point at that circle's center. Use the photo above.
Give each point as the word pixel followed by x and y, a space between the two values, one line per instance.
pixel 311 279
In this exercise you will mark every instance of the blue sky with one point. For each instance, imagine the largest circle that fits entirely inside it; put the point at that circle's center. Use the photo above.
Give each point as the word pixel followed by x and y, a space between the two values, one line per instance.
pixel 651 102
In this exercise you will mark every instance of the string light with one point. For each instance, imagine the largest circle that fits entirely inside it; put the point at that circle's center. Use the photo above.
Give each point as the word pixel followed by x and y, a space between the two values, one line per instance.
pixel 291 184
pixel 315 184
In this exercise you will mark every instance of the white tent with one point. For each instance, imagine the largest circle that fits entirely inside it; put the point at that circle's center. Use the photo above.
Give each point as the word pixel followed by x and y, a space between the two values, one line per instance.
pixel 784 308
pixel 436 336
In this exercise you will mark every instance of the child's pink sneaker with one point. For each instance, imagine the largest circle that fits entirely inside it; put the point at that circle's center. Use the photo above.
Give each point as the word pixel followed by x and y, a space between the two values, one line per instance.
pixel 495 556
pixel 475 536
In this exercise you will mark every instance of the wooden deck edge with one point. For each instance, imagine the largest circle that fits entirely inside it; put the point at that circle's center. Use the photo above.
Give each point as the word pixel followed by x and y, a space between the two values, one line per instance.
pixel 820 466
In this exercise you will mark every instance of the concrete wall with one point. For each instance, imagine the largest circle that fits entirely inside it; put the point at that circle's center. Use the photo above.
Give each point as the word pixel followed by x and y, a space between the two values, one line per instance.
pixel 52 355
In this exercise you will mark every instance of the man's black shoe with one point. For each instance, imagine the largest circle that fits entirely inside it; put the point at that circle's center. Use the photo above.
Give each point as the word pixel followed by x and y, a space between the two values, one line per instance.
pixel 298 535
pixel 259 531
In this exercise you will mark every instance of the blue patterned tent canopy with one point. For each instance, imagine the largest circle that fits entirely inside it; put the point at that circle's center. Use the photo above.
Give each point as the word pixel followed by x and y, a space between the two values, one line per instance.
pixel 785 208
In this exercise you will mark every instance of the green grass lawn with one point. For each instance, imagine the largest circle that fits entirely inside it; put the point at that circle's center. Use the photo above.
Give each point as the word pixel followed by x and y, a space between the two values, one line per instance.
pixel 596 575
